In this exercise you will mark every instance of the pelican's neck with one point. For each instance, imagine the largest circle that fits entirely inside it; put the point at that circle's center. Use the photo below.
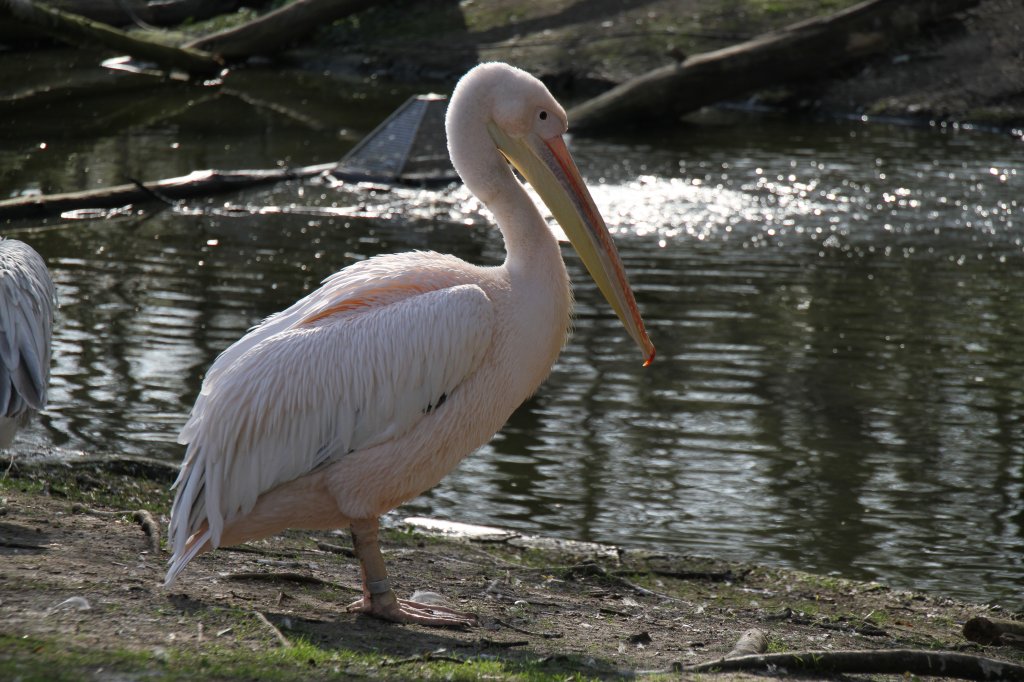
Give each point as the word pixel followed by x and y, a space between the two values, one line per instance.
pixel 486 173
pixel 529 242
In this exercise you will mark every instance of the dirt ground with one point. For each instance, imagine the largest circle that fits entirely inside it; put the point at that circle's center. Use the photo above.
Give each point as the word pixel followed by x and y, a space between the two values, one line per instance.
pixel 81 592
pixel 968 70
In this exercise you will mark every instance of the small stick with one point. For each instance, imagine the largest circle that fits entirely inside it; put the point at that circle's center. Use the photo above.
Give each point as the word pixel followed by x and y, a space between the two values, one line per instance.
pixel 334 549
pixel 149 525
pixel 501 645
pixel 273 628
pixel 438 655
pixel 545 635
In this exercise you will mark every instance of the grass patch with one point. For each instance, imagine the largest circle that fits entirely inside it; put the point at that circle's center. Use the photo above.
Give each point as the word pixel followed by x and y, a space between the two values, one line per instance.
pixel 30 659
pixel 33 659
pixel 96 484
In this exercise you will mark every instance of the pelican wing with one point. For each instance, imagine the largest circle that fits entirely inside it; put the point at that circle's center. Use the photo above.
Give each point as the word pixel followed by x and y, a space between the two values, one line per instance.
pixel 357 363
pixel 26 323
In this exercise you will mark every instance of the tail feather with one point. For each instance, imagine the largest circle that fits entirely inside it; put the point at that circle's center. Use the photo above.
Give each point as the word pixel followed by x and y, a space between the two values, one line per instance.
pixel 180 559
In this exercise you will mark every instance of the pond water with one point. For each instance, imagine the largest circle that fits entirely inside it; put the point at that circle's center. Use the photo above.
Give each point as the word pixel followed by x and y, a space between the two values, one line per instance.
pixel 837 308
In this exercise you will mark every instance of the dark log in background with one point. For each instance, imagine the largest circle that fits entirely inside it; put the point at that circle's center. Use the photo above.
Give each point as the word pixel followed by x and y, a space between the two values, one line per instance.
pixel 804 50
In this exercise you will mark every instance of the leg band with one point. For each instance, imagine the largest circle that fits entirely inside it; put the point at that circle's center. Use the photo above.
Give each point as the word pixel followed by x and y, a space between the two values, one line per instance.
pixel 379 586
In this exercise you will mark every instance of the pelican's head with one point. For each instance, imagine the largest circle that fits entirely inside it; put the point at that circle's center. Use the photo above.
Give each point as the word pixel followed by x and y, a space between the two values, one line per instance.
pixel 527 125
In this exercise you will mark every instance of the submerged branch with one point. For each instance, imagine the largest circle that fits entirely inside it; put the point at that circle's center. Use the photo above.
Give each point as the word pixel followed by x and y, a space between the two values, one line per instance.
pixel 195 184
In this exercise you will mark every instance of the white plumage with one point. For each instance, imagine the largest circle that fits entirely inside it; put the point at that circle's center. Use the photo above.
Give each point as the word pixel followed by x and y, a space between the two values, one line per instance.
pixel 308 386
pixel 369 390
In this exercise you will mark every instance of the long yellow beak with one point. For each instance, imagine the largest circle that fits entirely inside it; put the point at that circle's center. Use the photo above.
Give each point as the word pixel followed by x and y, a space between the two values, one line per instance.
pixel 548 167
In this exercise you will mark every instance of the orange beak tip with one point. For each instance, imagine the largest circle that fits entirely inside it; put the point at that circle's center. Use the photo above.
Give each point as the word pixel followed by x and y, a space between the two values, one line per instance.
pixel 650 358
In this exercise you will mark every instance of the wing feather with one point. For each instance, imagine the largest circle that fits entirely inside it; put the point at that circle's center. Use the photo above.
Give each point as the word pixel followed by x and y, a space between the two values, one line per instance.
pixel 293 394
pixel 27 303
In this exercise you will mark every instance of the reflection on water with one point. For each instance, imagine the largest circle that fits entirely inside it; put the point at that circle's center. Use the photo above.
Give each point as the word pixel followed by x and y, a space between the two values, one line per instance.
pixel 837 310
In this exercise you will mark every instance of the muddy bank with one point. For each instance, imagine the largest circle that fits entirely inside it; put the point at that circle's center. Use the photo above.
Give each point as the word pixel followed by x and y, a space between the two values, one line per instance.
pixel 82 599
pixel 968 68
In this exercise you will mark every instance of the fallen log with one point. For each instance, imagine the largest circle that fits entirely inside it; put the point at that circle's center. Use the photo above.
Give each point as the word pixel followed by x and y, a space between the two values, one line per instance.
pixel 77 30
pixel 996 631
pixel 154 12
pixel 277 30
pixel 195 184
pixel 803 50
pixel 202 57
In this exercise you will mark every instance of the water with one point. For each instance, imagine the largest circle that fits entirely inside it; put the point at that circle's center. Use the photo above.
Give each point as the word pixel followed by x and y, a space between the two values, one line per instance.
pixel 837 309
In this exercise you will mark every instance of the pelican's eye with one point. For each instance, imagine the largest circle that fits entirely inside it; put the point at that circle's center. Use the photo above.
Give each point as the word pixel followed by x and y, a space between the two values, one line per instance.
pixel 543 115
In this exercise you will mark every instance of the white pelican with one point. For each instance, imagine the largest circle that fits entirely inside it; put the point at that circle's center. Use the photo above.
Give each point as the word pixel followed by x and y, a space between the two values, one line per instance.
pixel 369 390
pixel 26 322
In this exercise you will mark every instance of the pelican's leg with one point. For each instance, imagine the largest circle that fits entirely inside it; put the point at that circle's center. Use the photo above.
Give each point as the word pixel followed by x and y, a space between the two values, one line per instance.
pixel 379 599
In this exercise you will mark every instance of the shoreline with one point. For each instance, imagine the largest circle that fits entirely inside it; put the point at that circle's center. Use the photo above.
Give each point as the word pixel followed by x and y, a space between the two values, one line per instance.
pixel 82 573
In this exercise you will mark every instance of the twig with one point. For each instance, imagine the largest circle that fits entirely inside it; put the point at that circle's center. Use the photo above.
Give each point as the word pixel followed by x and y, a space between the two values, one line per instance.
pixel 273 628
pixel 437 655
pixel 726 576
pixel 545 635
pixel 879 661
pixel 483 641
pixel 334 549
pixel 149 525
pixel 589 568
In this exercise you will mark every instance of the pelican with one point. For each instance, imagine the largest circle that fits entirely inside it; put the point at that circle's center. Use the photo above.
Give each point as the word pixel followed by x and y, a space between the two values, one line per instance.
pixel 368 391
pixel 26 322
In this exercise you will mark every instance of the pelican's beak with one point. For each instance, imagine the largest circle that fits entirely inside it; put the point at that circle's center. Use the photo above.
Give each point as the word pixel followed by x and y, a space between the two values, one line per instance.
pixel 548 167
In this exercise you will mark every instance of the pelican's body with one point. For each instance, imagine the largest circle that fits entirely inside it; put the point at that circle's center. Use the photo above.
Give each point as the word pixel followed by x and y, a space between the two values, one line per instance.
pixel 368 391
pixel 26 323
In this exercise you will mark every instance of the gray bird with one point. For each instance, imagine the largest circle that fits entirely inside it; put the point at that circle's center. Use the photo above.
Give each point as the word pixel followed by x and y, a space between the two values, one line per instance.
pixel 27 303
